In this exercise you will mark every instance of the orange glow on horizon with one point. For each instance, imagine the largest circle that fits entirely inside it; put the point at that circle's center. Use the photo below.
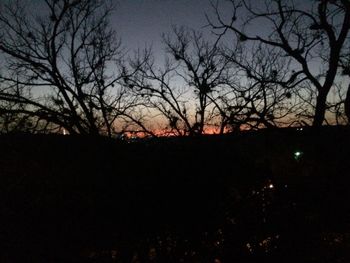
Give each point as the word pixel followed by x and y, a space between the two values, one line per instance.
pixel 208 130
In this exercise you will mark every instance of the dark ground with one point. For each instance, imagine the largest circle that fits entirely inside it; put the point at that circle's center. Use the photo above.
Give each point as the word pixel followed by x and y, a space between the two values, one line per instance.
pixel 234 198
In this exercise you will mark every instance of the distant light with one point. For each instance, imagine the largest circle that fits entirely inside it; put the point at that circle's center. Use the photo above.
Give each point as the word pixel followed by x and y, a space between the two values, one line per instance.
pixel 271 186
pixel 64 132
pixel 249 247
pixel 297 155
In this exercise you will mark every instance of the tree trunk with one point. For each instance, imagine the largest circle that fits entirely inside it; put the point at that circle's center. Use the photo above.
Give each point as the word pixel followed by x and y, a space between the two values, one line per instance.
pixel 320 108
pixel 347 105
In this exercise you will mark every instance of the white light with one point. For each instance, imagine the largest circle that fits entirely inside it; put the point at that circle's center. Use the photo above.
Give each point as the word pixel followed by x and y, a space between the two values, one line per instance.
pixel 271 186
pixel 297 155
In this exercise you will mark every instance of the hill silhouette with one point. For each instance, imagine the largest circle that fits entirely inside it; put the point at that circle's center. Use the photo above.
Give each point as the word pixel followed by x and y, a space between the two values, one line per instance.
pixel 244 197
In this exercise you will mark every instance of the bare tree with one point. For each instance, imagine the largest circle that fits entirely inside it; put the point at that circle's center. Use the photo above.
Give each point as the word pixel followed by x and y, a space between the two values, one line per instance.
pixel 12 118
pixel 204 87
pixel 312 34
pixel 64 65
pixel 188 89
pixel 345 66
pixel 267 88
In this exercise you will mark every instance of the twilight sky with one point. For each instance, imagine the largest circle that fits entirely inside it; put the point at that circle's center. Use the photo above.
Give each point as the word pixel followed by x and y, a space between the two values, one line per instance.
pixel 143 21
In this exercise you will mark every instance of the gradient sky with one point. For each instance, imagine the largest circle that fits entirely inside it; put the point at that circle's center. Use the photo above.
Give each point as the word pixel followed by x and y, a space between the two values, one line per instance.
pixel 141 22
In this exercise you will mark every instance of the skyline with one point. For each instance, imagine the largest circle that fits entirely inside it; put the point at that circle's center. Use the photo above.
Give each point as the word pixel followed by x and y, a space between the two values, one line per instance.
pixel 64 65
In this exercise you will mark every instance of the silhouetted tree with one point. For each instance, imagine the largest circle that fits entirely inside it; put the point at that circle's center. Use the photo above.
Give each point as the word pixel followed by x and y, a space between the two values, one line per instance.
pixel 312 34
pixel 64 66
pixel 345 65
pixel 267 88
pixel 204 85
pixel 10 120
pixel 189 89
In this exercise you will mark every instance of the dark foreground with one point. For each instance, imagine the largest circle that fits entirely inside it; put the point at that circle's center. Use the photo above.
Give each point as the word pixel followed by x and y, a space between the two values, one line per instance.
pixel 238 198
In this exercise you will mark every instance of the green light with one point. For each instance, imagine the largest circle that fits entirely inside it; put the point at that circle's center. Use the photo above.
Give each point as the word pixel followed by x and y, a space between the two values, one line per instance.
pixel 298 155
